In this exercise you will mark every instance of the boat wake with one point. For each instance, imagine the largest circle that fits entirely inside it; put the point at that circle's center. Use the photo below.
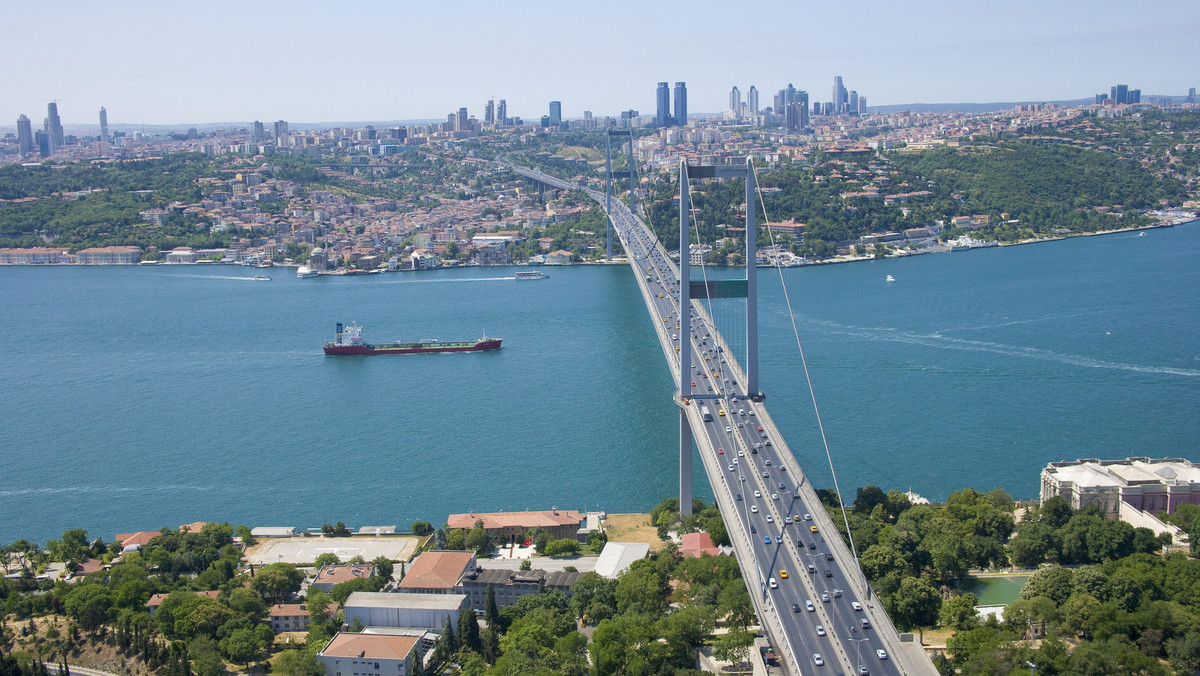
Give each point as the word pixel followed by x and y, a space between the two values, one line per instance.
pixel 56 490
pixel 941 341
pixel 445 281
pixel 228 277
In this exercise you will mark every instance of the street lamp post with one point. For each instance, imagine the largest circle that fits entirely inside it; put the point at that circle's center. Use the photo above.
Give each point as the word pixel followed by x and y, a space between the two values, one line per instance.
pixel 857 648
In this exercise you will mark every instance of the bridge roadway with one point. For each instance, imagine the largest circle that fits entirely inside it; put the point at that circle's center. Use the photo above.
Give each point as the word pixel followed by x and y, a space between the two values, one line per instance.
pixel 775 521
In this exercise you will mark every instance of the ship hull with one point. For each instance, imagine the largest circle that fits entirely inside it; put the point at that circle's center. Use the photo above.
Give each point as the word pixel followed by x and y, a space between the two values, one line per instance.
pixel 411 348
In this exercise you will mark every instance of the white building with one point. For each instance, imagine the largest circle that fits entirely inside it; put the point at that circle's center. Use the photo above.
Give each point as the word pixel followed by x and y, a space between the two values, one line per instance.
pixel 349 654
pixel 380 609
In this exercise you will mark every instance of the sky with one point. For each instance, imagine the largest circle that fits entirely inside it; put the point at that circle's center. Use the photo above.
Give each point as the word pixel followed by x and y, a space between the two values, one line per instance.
pixel 157 62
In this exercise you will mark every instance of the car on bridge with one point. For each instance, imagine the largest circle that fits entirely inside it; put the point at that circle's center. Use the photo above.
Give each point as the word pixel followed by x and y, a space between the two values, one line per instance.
pixel 783 573
pixel 817 659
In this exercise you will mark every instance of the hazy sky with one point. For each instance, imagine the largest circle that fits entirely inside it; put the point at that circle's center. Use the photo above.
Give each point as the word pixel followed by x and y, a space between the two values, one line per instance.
pixel 170 62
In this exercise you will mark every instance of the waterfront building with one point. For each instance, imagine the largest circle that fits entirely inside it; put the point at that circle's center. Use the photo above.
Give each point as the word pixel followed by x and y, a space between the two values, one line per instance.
pixel 331 575
pixel 512 526
pixel 103 124
pixel 1143 484
pixel 417 611
pixel 350 653
pixel 109 255
pixel 510 585
pixel 25 142
pixel 681 104
pixel 33 256
pixel 54 124
pixel 662 97
pixel 437 572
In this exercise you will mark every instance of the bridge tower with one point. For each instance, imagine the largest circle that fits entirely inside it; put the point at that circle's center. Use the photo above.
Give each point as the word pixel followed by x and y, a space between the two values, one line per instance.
pixel 723 288
pixel 608 177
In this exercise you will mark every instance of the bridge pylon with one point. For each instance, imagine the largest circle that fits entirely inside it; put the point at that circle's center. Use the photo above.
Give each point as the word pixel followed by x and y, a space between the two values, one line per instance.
pixel 724 288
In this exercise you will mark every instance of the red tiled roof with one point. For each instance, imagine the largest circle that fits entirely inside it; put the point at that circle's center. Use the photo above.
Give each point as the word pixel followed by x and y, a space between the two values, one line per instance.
pixel 436 570
pixel 343 572
pixel 497 520
pixel 370 646
pixel 139 538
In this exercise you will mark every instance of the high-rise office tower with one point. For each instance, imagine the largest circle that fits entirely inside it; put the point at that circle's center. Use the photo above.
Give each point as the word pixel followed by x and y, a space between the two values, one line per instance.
pixel 281 129
pixel 461 120
pixel 752 100
pixel 1134 96
pixel 802 103
pixel 489 112
pixel 792 117
pixel 1191 95
pixel 839 94
pixel 735 101
pixel 816 108
pixel 852 103
pixel 777 104
pixel 103 124
pixel 681 104
pixel 789 95
pixel 502 113
pixel 259 134
pixel 45 143
pixel 54 123
pixel 24 135
pixel 1101 99
pixel 555 113
pixel 862 105
pixel 662 97
pixel 1120 94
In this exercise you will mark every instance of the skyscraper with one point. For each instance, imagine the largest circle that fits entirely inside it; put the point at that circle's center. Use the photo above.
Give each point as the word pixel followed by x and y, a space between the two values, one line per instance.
pixel 45 143
pixel 1120 94
pixel 1191 95
pixel 802 103
pixel 662 97
pixel 281 129
pixel 55 124
pixel 839 95
pixel 502 113
pixel 735 101
pixel 852 103
pixel 862 105
pixel 752 100
pixel 681 104
pixel 103 124
pixel 259 134
pixel 789 95
pixel 489 112
pixel 24 135
pixel 461 120
pixel 555 113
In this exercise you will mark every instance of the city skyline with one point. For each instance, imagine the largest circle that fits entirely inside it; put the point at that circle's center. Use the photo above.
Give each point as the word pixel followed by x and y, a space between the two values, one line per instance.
pixel 530 58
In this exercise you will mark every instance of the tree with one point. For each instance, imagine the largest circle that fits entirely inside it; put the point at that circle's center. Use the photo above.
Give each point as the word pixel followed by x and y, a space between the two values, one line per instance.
pixel 422 528
pixel 383 568
pixel 478 540
pixel 1053 583
pixel 959 612
pixel 89 605
pixel 491 612
pixel 468 631
pixel 242 645
pixel 915 604
pixel 297 663
pixel 277 581
pixel 734 646
pixel 562 547
pixel 327 559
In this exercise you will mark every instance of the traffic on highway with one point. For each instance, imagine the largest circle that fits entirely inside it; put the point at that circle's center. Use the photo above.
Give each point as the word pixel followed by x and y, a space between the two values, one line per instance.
pixel 811 597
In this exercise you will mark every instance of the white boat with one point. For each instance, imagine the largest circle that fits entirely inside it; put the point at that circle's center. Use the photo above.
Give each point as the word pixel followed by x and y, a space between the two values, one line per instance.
pixel 531 275
pixel 891 278
pixel 262 278
pixel 304 272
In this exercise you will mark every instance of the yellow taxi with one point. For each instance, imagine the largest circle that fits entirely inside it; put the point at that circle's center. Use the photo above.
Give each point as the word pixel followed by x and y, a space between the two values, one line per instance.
pixel 813 528
pixel 720 411
pixel 783 572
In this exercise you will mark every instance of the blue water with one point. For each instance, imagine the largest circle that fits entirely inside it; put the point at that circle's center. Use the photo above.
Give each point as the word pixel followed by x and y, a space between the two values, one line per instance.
pixel 133 398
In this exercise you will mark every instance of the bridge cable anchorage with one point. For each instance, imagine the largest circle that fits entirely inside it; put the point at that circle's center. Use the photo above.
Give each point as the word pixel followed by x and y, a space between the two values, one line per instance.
pixel 812 393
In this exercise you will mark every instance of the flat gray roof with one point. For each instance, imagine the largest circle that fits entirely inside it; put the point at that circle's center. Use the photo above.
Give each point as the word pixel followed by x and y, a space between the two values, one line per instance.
pixel 419 601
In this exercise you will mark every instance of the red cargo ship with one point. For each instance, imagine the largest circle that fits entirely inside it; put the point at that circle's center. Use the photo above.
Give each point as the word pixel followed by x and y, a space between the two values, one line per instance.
pixel 349 340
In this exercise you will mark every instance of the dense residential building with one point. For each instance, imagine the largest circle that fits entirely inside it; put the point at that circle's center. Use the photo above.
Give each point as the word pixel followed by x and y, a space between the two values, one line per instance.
pixel 510 585
pixel 436 572
pixel 350 654
pixel 512 526
pixel 292 616
pixel 1141 483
